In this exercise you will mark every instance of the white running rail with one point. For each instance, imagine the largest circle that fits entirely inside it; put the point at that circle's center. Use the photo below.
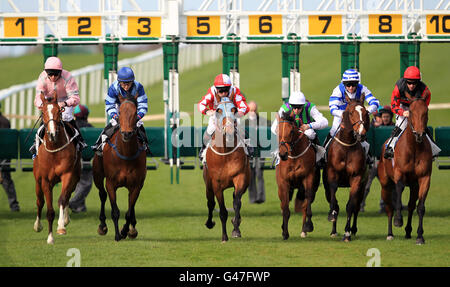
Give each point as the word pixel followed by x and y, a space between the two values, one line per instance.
pixel 17 100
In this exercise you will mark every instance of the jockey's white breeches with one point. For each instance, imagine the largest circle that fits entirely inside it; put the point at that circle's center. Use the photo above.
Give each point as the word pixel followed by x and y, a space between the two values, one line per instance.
pixel 336 122
pixel 67 115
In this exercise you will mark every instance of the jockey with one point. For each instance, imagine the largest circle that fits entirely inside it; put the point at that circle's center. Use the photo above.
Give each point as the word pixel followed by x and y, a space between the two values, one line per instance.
pixel 411 83
pixel 126 86
pixel 55 79
pixel 208 104
pixel 350 85
pixel 307 118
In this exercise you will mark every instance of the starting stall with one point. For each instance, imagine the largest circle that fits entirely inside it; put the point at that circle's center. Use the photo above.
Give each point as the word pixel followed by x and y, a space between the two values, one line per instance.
pixel 288 23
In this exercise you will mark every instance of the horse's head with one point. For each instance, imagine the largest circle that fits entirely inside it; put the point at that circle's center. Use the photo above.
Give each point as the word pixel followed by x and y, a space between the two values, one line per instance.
pixel 51 115
pixel 286 135
pixel 225 115
pixel 418 116
pixel 358 117
pixel 128 117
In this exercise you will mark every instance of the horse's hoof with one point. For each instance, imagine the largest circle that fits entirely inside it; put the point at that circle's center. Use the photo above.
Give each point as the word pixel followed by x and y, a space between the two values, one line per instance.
pixel 347 237
pixel 286 236
pixel 332 216
pixel 236 234
pixel 224 238
pixel 210 224
pixel 420 241
pixel 133 233
pixel 390 237
pixel 303 235
pixel 118 237
pixel 398 221
pixel 124 233
pixel 102 230
pixel 61 231
pixel 333 235
pixel 309 226
pixel 408 236
pixel 38 227
pixel 50 239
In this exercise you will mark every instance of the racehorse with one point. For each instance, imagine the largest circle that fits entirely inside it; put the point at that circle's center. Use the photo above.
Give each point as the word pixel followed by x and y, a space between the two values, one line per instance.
pixel 346 164
pixel 57 161
pixel 297 169
pixel 411 166
pixel 123 164
pixel 226 166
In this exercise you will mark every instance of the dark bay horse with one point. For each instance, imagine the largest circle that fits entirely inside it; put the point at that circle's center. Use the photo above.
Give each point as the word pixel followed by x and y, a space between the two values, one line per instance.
pixel 57 161
pixel 411 166
pixel 297 169
pixel 123 164
pixel 346 164
pixel 227 166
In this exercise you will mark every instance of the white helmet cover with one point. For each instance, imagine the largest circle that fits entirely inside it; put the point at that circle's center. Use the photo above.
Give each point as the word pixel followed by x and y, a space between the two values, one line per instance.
pixel 297 98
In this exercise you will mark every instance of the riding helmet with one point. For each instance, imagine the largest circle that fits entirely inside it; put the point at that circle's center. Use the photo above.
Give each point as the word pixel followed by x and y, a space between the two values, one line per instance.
pixel 125 74
pixel 412 73
pixel 350 75
pixel 53 63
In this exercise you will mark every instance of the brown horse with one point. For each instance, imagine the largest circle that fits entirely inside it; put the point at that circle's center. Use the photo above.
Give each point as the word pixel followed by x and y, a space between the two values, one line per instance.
pixel 346 164
pixel 57 161
pixel 123 164
pixel 226 166
pixel 297 169
pixel 411 167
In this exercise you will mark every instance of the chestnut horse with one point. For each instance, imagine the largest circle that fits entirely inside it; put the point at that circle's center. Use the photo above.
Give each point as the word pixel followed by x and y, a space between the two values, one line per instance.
pixel 411 166
pixel 123 164
pixel 346 164
pixel 297 169
pixel 57 161
pixel 227 165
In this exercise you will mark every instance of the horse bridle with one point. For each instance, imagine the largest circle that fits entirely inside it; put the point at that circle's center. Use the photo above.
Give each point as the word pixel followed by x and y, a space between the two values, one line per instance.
pixel 53 120
pixel 290 145
pixel 416 134
pixel 135 104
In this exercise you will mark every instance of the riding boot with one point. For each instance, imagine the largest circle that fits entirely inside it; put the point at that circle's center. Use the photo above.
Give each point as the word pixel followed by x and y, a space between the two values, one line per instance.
pixel 389 151
pixel 206 140
pixel 35 146
pixel 81 144
pixel 107 132
pixel 142 135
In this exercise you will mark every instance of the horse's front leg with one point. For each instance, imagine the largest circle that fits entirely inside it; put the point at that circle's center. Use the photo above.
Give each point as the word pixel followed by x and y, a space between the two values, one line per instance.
pixel 236 220
pixel 211 204
pixel 223 212
pixel 332 185
pixel 352 208
pixel 115 212
pixel 40 204
pixel 413 196
pixel 130 216
pixel 47 189
pixel 424 186
pixel 398 218
pixel 283 194
pixel 308 225
pixel 68 184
